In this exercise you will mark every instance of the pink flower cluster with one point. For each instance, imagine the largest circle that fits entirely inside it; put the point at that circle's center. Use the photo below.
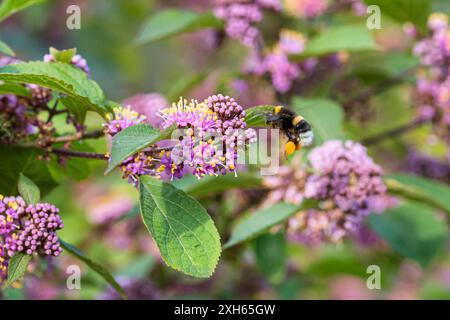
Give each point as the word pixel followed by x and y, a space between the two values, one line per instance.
pixel 282 70
pixel 344 180
pixel 208 135
pixel 433 85
pixel 241 15
pixel 28 229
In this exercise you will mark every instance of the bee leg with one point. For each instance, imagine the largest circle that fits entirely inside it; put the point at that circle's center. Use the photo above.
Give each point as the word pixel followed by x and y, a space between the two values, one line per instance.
pixel 290 147
pixel 272 119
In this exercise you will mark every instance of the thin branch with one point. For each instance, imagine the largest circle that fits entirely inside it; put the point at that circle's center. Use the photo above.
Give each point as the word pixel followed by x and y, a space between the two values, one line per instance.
pixel 79 136
pixel 393 132
pixel 79 154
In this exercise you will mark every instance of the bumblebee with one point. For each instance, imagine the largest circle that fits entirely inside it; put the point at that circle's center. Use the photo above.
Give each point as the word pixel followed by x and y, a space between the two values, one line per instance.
pixel 295 127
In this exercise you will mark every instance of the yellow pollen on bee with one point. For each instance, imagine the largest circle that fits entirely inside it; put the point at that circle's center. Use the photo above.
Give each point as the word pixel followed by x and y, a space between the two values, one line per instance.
pixel 290 147
pixel 296 120
pixel 278 109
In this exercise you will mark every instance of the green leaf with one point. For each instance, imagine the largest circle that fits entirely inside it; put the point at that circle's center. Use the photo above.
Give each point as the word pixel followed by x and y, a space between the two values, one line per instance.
pixel 28 190
pixel 383 66
pixel 348 38
pixel 415 11
pixel 325 116
pixel 271 255
pixel 171 22
pixel 257 116
pixel 61 77
pixel 412 230
pixel 181 227
pixel 17 160
pixel 64 56
pixel 212 185
pixel 74 108
pixel 9 7
pixel 132 139
pixel 14 88
pixel 4 48
pixel 421 189
pixel 259 222
pixel 99 269
pixel 17 267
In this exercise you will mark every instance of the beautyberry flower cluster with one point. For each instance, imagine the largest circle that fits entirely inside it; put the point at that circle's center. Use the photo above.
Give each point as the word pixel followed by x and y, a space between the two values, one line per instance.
pixel 241 15
pixel 283 71
pixel 344 180
pixel 433 84
pixel 208 138
pixel 28 229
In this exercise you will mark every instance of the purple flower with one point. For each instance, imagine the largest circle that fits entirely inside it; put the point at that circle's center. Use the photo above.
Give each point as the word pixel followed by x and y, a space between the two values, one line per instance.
pixel 27 229
pixel 284 72
pixel 241 15
pixel 122 118
pixel 39 231
pixel 231 125
pixel 190 114
pixel 208 137
pixel 287 185
pixel 347 176
pixel 346 183
pixel 432 91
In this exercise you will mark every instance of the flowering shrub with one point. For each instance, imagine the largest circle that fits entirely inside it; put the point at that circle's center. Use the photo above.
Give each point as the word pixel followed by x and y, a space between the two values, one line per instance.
pixel 213 171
